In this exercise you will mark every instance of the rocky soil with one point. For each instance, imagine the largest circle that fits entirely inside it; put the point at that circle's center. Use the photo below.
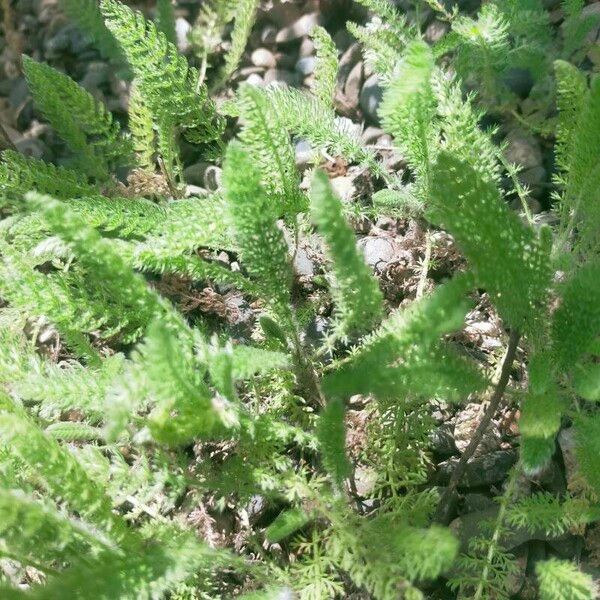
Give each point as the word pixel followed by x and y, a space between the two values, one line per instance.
pixel 280 50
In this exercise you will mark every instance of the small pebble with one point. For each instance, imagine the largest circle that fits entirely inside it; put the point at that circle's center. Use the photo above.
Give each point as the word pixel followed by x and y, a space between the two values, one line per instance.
pixel 306 65
pixel 298 29
pixel 182 32
pixel 194 174
pixel 307 47
pixel 262 57
pixel 523 149
pixel 282 76
pixel 255 79
pixel 370 98
pixel 268 35
pixel 212 178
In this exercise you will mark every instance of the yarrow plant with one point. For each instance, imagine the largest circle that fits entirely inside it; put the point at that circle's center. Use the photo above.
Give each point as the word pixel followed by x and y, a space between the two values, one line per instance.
pixel 133 425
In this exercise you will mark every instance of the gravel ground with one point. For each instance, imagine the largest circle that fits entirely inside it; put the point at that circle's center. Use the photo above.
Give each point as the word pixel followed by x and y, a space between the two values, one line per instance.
pixel 280 50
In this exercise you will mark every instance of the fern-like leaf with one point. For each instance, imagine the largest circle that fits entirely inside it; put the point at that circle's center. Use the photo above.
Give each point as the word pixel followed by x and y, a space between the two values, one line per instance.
pixel 356 293
pixel 60 472
pixel 19 175
pixel 484 228
pixel 305 116
pixel 87 15
pixel 262 244
pixel 562 580
pixel 331 434
pixel 269 142
pixel 184 405
pixel 166 81
pixel 286 523
pixel 576 322
pixel 165 20
pixel 587 447
pixel 245 14
pixel 405 354
pixel 408 108
pixel 82 122
pixel 105 270
pixel 141 126
pixel 544 512
pixel 327 65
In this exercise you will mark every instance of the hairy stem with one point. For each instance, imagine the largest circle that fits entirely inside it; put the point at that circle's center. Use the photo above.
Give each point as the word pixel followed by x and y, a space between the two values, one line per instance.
pixel 519 189
pixel 511 351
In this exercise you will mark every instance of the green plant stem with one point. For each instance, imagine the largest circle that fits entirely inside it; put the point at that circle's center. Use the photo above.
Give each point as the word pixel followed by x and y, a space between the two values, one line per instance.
pixel 518 187
pixel 305 371
pixel 442 512
pixel 506 497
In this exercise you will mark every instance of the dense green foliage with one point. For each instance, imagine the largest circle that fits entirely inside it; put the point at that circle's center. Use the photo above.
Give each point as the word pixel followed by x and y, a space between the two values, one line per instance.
pixel 130 423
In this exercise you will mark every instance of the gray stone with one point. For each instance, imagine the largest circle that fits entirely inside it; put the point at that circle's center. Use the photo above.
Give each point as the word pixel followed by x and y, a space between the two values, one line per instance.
pixel 82 45
pixel 306 65
pixel 552 478
pixel 533 177
pixel 223 259
pixel 482 471
pixel 347 62
pixel 245 316
pixel 298 29
pixel 59 42
pixel 477 502
pixel 303 264
pixel 305 153
pixel 33 148
pixel 287 77
pixel 262 57
pixel 436 30
pixel 523 149
pixel 67 39
pixel 372 134
pixel 353 85
pixel 343 39
pixel 567 546
pixel 256 508
pixel 365 479
pixel 468 526
pixel 212 178
pixel 377 250
pixel 286 60
pixel 466 423
pixel 567 444
pixel 97 74
pixel 268 35
pixel 317 330
pixel 282 14
pixel 348 126
pixel 255 80
pixel 307 47
pixel 591 11
pixel 249 70
pixel 519 81
pixel 441 441
pixel 19 92
pixel 182 33
pixel 344 187
pixel 194 174
pixel 370 98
